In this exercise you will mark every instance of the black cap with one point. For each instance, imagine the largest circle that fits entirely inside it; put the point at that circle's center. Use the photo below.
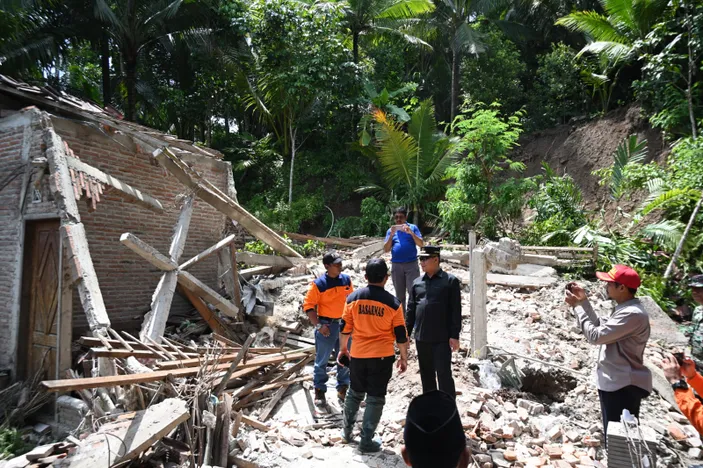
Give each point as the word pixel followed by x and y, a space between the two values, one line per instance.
pixel 696 282
pixel 331 258
pixel 376 270
pixel 430 251
pixel 434 436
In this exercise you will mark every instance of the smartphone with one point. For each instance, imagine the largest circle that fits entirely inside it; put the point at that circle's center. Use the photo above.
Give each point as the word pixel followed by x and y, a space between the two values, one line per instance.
pixel 679 358
pixel 344 360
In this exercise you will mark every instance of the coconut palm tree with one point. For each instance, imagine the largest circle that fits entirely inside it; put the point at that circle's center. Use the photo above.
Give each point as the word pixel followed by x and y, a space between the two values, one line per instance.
pixel 411 164
pixel 384 17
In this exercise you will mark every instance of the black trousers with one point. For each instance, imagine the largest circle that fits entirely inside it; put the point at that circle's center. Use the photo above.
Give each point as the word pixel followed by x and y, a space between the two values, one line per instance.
pixel 613 403
pixel 436 366
pixel 371 375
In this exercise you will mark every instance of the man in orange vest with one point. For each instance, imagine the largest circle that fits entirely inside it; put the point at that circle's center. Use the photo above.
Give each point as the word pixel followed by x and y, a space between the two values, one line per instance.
pixel 373 318
pixel 324 304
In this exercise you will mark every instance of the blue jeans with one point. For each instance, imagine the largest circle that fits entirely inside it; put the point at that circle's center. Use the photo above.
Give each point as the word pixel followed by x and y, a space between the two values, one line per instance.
pixel 324 347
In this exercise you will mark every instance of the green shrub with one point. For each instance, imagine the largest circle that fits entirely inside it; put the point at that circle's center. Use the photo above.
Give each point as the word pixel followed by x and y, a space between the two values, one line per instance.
pixel 375 217
pixel 12 444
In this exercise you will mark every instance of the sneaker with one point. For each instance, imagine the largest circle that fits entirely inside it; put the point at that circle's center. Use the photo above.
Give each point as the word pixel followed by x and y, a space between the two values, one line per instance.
pixel 342 392
pixel 320 399
pixel 374 445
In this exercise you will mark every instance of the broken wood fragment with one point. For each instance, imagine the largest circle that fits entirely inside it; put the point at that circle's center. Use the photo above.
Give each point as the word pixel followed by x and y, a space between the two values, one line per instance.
pixel 196 286
pixel 233 366
pixel 249 258
pixel 210 317
pixel 272 358
pixel 206 253
pixel 255 423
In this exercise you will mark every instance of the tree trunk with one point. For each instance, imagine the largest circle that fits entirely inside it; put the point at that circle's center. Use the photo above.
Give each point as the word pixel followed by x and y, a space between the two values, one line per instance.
pixel 131 83
pixel 455 84
pixel 292 163
pixel 355 46
pixel 679 248
pixel 105 67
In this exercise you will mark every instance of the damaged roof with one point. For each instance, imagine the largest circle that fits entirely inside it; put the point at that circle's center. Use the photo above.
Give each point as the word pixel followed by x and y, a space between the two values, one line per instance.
pixel 59 102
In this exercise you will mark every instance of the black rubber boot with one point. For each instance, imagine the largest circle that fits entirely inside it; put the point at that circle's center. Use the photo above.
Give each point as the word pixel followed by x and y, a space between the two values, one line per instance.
pixel 351 407
pixel 372 416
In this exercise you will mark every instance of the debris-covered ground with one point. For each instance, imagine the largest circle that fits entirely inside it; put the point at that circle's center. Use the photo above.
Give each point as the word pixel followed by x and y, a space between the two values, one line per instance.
pixel 199 399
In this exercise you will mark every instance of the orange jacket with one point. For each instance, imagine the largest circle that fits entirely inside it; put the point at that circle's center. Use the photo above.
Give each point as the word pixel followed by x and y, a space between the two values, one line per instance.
pixel 374 318
pixel 689 405
pixel 329 295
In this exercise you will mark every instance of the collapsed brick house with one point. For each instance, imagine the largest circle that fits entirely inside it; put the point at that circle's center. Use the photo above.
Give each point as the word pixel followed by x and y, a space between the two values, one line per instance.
pixel 117 187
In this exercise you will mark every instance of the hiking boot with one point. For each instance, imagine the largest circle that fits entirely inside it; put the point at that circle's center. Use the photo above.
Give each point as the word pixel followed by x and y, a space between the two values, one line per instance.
pixel 320 399
pixel 370 446
pixel 351 407
pixel 342 393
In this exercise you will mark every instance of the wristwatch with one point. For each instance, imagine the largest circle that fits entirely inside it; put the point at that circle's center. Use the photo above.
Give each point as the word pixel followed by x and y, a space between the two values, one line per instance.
pixel 318 326
pixel 681 384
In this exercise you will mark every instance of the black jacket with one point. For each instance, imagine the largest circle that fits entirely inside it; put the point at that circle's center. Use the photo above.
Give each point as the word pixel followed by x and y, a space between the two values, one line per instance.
pixel 434 307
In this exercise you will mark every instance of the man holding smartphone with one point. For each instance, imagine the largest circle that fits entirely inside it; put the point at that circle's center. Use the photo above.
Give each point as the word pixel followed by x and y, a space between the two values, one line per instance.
pixel 696 330
pixel 681 373
pixel 402 240
pixel 374 319
pixel 622 378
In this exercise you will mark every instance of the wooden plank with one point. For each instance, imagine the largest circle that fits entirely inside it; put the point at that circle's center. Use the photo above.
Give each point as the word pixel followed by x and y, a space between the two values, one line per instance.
pixel 117 336
pixel 285 383
pixel 125 353
pixel 235 276
pixel 221 202
pixel 249 258
pixel 160 348
pixel 75 240
pixel 242 352
pixel 133 194
pixel 67 385
pixel 206 253
pixel 210 317
pixel 250 272
pixel 262 361
pixel 150 348
pixel 147 252
pixel 325 240
pixel 255 423
pixel 154 323
pixel 196 286
pixel 136 432
pixel 514 281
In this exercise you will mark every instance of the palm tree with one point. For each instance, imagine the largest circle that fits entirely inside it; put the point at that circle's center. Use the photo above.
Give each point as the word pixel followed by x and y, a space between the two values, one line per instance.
pixel 135 25
pixel 617 33
pixel 383 17
pixel 411 164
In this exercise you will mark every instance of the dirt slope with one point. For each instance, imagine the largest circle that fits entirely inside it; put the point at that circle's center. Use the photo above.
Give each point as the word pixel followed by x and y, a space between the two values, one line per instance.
pixel 579 149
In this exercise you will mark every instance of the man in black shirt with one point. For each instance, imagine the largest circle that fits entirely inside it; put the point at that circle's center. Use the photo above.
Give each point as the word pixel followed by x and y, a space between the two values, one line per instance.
pixel 434 312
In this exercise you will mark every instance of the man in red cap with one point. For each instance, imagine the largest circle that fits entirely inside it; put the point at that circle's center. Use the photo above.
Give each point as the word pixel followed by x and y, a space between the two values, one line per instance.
pixel 622 378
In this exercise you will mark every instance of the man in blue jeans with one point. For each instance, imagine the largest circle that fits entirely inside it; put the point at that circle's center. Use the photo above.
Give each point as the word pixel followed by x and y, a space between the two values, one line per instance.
pixel 402 240
pixel 324 304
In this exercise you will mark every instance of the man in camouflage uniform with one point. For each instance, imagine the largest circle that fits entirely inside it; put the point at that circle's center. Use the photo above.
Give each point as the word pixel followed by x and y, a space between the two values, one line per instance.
pixel 696 285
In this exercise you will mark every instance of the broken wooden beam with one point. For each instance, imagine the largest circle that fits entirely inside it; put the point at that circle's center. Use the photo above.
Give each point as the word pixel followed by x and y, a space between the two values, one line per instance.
pixel 233 366
pixel 135 432
pixel 256 424
pixel 147 252
pixel 134 195
pixel 210 317
pixel 325 240
pixel 222 202
pixel 206 253
pixel 249 258
pixel 266 360
pixel 199 288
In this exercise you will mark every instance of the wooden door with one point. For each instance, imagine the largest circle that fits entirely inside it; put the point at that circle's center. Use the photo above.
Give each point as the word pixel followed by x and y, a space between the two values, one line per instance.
pixel 38 337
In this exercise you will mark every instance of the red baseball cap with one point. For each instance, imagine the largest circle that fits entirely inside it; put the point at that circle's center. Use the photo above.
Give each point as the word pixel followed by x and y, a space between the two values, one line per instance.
pixel 621 274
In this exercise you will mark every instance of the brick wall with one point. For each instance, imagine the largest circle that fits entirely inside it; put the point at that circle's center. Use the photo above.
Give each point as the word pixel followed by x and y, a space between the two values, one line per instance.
pixel 18 144
pixel 126 280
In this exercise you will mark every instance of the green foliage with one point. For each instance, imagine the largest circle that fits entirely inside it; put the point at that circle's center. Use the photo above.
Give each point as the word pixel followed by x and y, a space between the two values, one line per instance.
pixel 375 217
pixel 12 444
pixel 686 164
pixel 411 164
pixel 495 75
pixel 559 92
pixel 620 176
pixel 258 247
pixel 483 196
pixel 558 203
pixel 285 217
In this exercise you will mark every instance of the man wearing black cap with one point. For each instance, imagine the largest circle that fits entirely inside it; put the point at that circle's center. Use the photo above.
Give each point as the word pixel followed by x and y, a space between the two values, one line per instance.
pixel 374 319
pixel 434 313
pixel 434 436
pixel 328 294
